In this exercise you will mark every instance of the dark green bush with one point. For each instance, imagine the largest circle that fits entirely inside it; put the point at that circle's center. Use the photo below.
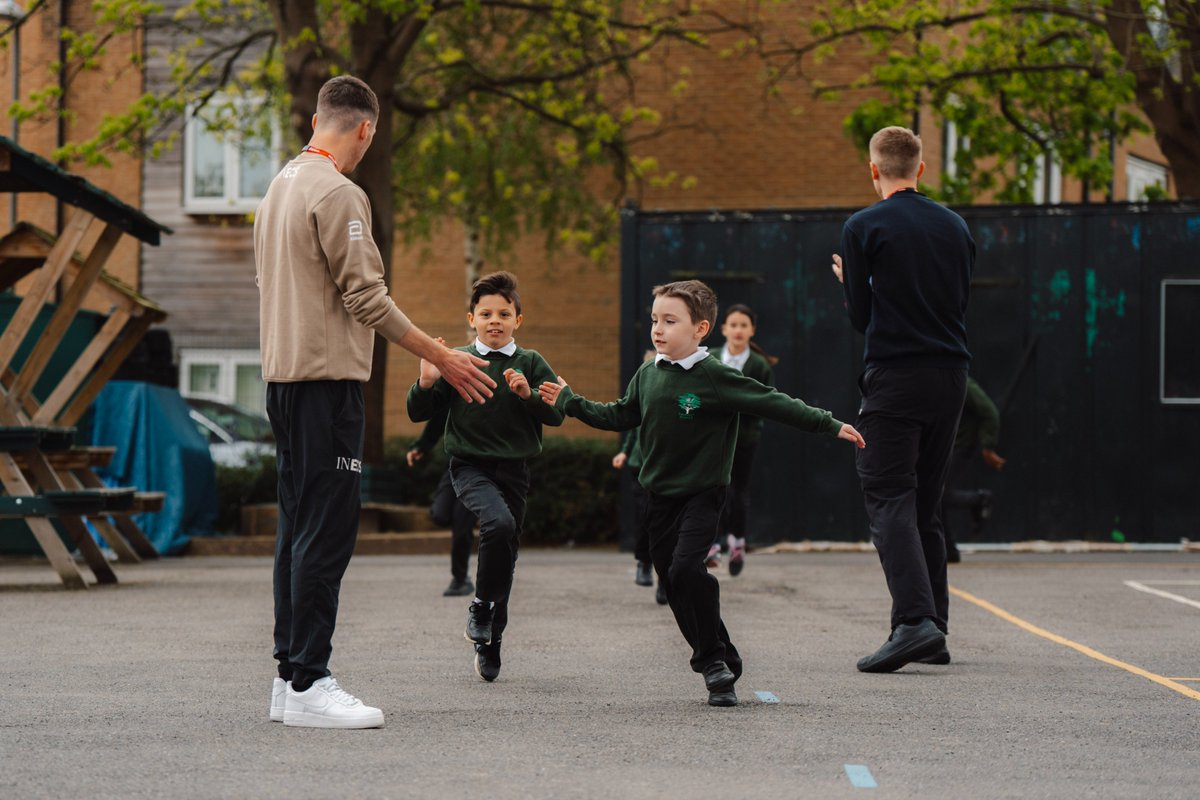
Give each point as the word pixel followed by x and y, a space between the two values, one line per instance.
pixel 573 493
pixel 253 482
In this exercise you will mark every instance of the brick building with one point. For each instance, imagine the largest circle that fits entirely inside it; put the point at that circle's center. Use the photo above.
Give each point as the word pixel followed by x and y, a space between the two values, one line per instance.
pixel 745 151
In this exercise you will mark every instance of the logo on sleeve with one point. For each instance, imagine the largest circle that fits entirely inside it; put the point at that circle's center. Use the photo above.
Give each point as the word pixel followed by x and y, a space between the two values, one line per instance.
pixel 688 403
pixel 356 230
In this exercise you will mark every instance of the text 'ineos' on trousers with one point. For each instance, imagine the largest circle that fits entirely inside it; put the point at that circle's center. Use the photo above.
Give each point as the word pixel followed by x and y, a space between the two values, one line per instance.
pixel 318 429
pixel 909 417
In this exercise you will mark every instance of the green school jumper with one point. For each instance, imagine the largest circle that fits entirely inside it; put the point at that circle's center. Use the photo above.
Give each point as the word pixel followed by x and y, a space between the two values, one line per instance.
pixel 688 420
pixel 505 427
pixel 757 367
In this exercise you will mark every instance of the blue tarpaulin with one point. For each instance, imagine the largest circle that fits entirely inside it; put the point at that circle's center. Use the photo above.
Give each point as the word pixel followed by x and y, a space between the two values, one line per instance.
pixel 159 449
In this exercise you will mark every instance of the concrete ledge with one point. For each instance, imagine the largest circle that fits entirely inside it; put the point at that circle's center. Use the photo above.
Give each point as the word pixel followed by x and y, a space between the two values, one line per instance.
pixel 409 543
pixel 1032 546
pixel 261 519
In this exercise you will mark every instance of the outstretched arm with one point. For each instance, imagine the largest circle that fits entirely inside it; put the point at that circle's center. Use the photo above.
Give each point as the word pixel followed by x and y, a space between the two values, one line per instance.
pixel 619 416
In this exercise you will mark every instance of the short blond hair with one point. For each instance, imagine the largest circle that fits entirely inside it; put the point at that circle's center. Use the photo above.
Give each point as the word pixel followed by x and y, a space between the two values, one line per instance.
pixel 897 152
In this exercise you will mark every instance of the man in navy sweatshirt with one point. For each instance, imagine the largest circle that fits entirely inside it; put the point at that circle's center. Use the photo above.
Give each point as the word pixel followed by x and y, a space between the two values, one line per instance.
pixel 905 266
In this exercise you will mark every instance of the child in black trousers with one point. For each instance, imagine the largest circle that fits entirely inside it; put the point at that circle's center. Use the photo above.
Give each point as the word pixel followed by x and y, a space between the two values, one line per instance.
pixel 686 407
pixel 488 445
pixel 446 510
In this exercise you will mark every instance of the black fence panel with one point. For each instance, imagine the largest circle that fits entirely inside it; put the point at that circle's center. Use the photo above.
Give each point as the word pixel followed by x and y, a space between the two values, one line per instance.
pixel 1067 332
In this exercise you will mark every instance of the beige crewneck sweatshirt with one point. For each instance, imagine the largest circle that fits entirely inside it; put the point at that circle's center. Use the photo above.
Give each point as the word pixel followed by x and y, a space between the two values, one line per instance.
pixel 320 277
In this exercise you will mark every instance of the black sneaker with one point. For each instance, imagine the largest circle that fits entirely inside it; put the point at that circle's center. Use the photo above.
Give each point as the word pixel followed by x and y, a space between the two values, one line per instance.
pixel 660 595
pixel 645 575
pixel 459 588
pixel 487 661
pixel 479 623
pixel 719 680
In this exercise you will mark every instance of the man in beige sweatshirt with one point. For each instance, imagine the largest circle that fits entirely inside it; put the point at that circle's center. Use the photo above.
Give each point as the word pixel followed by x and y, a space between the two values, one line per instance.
pixel 322 298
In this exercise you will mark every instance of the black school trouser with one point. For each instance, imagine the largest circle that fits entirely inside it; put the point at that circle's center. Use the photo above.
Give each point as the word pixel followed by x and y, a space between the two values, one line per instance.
pixel 318 428
pixel 641 535
pixel 495 492
pixel 909 417
pixel 737 500
pixel 447 511
pixel 681 531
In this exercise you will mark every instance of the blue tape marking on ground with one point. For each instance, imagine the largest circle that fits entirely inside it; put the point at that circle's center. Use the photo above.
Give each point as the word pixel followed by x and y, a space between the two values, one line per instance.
pixel 767 697
pixel 860 776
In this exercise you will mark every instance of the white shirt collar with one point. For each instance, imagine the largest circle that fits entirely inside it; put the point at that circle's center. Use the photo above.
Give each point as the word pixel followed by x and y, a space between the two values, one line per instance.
pixel 483 349
pixel 687 363
pixel 738 362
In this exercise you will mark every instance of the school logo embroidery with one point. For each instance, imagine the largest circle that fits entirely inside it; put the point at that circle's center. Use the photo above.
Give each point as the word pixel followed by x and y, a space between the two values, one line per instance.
pixel 356 230
pixel 688 403
pixel 352 464
pixel 291 171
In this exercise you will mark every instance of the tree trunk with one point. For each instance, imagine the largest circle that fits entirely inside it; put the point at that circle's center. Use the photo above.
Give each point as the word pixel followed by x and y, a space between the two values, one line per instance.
pixel 374 175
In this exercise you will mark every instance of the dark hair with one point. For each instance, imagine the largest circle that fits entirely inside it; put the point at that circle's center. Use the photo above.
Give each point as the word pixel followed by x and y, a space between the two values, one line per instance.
pixel 345 101
pixel 897 152
pixel 701 301
pixel 741 308
pixel 501 283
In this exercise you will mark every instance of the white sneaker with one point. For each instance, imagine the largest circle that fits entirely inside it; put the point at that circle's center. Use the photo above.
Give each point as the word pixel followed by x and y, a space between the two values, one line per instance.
pixel 279 690
pixel 327 705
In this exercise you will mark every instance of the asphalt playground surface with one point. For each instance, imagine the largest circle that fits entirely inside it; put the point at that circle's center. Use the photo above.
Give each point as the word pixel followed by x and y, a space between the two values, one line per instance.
pixel 1073 675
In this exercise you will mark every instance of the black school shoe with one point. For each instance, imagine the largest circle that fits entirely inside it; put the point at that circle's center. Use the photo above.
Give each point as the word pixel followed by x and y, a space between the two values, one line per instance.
pixel 719 680
pixel 941 658
pixel 660 595
pixel 645 575
pixel 479 623
pixel 459 588
pixel 487 661
pixel 907 643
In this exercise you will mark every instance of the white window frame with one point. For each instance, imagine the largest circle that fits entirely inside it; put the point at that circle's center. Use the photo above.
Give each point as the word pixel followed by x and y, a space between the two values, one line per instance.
pixel 1162 343
pixel 1141 173
pixel 227 362
pixel 1056 181
pixel 231 202
pixel 951 144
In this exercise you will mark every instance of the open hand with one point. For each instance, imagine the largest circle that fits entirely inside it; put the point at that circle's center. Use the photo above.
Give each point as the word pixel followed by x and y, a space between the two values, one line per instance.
pixel 461 370
pixel 549 390
pixel 993 459
pixel 836 266
pixel 413 456
pixel 851 435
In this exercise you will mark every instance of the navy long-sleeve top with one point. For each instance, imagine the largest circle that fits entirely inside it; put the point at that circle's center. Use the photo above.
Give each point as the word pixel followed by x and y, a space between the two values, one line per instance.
pixel 906 269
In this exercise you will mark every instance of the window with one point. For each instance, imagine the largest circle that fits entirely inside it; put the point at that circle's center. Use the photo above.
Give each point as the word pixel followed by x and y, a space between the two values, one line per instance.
pixel 225 172
pixel 1048 188
pixel 952 143
pixel 227 376
pixel 1179 347
pixel 1141 175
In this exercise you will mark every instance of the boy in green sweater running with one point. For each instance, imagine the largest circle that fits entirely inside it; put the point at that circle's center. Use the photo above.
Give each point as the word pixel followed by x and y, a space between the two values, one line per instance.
pixel 488 447
pixel 686 405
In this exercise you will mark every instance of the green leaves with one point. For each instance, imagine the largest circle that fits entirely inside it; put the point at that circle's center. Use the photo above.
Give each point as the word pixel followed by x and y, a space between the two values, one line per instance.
pixel 1018 81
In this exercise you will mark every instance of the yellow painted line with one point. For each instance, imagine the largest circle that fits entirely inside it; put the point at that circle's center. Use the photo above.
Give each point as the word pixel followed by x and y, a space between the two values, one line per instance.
pixel 1183 679
pixel 1170 683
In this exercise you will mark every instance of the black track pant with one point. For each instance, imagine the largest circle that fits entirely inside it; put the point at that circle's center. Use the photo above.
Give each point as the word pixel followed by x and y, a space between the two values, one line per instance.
pixel 448 511
pixel 318 429
pixel 909 417
pixel 495 492
pixel 681 531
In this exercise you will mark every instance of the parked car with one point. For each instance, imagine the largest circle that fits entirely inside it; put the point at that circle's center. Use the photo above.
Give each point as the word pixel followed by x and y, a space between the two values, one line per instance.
pixel 234 434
